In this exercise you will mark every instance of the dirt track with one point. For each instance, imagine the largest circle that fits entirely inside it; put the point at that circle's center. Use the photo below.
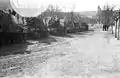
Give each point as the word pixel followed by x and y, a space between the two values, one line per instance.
pixel 82 55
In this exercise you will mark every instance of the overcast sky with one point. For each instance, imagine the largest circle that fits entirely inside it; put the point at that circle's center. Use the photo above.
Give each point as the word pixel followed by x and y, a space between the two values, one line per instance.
pixel 80 5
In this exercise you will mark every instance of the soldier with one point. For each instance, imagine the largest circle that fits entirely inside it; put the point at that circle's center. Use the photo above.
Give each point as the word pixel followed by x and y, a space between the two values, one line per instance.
pixel 103 28
pixel 107 27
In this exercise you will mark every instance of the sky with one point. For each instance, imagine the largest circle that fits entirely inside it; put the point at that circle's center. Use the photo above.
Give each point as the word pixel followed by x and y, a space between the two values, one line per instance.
pixel 67 5
pixel 78 5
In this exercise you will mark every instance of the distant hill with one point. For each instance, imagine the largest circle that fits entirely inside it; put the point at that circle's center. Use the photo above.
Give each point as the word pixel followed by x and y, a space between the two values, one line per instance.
pixel 88 13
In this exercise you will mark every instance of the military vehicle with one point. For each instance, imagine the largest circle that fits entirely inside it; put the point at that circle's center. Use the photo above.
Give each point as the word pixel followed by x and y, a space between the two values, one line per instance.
pixel 10 31
pixel 84 26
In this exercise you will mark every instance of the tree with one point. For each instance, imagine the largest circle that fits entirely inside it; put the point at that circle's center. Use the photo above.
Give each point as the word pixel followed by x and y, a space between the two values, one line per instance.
pixel 99 14
pixel 115 18
pixel 118 27
pixel 106 15
pixel 72 15
pixel 53 11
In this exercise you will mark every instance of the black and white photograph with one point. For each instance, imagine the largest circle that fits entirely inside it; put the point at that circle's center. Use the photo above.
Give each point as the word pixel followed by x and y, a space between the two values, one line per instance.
pixel 59 38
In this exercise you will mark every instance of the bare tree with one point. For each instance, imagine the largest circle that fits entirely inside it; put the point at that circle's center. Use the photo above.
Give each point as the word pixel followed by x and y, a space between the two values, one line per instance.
pixel 99 14
pixel 72 14
pixel 53 11
pixel 115 17
pixel 106 15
